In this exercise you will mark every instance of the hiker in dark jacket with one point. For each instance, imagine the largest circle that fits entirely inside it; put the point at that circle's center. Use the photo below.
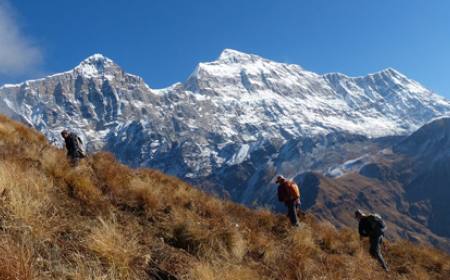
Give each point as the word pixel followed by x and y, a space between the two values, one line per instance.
pixel 73 146
pixel 372 226
pixel 288 192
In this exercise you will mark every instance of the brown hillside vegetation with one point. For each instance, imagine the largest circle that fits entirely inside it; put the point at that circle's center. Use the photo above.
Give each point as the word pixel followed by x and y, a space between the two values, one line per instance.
pixel 336 198
pixel 102 220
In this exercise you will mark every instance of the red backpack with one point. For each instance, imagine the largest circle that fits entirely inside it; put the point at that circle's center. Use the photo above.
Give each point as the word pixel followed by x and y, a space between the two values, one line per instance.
pixel 288 191
pixel 293 190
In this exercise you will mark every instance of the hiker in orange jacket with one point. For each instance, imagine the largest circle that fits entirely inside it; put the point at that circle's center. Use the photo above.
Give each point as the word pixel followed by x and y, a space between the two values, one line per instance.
pixel 289 193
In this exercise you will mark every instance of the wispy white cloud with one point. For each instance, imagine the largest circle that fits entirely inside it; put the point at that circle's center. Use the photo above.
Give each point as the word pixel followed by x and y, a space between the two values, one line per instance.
pixel 18 54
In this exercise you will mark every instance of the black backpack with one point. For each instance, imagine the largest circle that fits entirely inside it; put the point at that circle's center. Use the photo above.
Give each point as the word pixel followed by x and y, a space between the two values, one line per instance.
pixel 377 223
pixel 81 151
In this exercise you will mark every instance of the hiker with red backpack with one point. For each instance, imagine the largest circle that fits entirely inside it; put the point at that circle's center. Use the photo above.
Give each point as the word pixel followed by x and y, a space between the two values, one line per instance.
pixel 289 193
pixel 372 226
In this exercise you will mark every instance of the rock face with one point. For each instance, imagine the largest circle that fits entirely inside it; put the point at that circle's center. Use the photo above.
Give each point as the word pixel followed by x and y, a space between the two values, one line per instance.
pixel 428 189
pixel 238 121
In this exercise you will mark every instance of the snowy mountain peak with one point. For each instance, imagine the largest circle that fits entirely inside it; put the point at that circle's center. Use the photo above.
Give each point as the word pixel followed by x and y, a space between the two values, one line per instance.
pixel 250 71
pixel 233 56
pixel 97 65
pixel 383 74
pixel 389 73
pixel 97 57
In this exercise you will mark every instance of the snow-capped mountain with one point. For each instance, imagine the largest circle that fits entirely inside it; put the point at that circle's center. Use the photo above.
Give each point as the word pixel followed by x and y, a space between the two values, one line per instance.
pixel 233 124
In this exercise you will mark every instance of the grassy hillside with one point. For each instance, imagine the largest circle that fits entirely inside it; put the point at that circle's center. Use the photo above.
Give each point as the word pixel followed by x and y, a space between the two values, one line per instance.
pixel 334 199
pixel 103 220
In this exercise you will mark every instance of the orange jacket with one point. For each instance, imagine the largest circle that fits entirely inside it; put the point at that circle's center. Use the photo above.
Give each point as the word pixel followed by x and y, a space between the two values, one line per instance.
pixel 288 191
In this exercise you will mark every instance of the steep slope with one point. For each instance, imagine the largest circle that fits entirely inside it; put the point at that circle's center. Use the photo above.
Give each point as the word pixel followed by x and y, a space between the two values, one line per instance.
pixel 102 220
pixel 428 188
pixel 236 115
pixel 408 184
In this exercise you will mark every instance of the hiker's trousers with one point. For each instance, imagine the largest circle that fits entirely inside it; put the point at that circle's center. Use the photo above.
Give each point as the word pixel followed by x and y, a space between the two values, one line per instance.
pixel 375 248
pixel 293 207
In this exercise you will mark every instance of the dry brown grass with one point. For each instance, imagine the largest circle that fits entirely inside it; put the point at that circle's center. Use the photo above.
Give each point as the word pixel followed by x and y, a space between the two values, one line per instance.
pixel 102 220
pixel 16 261
pixel 208 271
pixel 117 247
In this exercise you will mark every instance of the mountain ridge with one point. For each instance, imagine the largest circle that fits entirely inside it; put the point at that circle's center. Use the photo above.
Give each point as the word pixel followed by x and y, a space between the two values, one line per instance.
pixel 226 102
pixel 226 54
pixel 255 101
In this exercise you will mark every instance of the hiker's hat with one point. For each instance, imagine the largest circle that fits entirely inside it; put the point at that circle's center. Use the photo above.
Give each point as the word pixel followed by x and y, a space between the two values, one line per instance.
pixel 359 213
pixel 280 179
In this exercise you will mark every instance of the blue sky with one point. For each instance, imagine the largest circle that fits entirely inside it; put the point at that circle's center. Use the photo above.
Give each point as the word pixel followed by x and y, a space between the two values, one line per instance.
pixel 162 41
